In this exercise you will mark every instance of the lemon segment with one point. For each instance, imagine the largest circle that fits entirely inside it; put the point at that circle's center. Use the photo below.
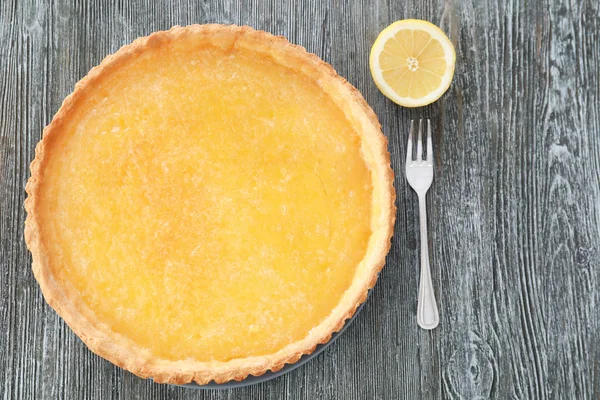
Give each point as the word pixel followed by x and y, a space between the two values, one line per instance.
pixel 412 62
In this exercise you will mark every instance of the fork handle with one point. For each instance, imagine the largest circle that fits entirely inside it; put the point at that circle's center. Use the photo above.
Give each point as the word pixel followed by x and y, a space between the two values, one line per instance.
pixel 427 311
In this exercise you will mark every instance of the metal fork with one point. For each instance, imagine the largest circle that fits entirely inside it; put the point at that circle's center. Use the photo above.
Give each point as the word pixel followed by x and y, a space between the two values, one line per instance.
pixel 419 174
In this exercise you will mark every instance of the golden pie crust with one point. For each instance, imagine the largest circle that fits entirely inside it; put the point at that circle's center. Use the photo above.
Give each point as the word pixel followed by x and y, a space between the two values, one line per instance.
pixel 124 352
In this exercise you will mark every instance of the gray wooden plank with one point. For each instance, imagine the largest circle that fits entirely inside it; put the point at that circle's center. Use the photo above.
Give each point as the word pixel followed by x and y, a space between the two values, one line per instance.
pixel 514 208
pixel 523 309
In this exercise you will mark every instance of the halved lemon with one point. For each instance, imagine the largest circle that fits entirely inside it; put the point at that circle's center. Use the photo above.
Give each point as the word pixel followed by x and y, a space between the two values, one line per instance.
pixel 412 62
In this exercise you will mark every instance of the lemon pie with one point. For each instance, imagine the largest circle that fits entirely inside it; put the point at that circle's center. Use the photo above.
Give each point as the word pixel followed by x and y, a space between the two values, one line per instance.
pixel 210 202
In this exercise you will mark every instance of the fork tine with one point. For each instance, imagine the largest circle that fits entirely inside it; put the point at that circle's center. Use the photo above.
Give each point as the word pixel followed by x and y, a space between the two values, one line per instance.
pixel 409 144
pixel 420 141
pixel 429 142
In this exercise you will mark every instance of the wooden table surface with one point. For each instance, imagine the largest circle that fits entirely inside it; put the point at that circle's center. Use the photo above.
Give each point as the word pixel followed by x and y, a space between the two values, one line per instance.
pixel 514 209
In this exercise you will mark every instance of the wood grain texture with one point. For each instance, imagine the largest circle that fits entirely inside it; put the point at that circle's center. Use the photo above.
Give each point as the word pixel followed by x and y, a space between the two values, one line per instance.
pixel 514 210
